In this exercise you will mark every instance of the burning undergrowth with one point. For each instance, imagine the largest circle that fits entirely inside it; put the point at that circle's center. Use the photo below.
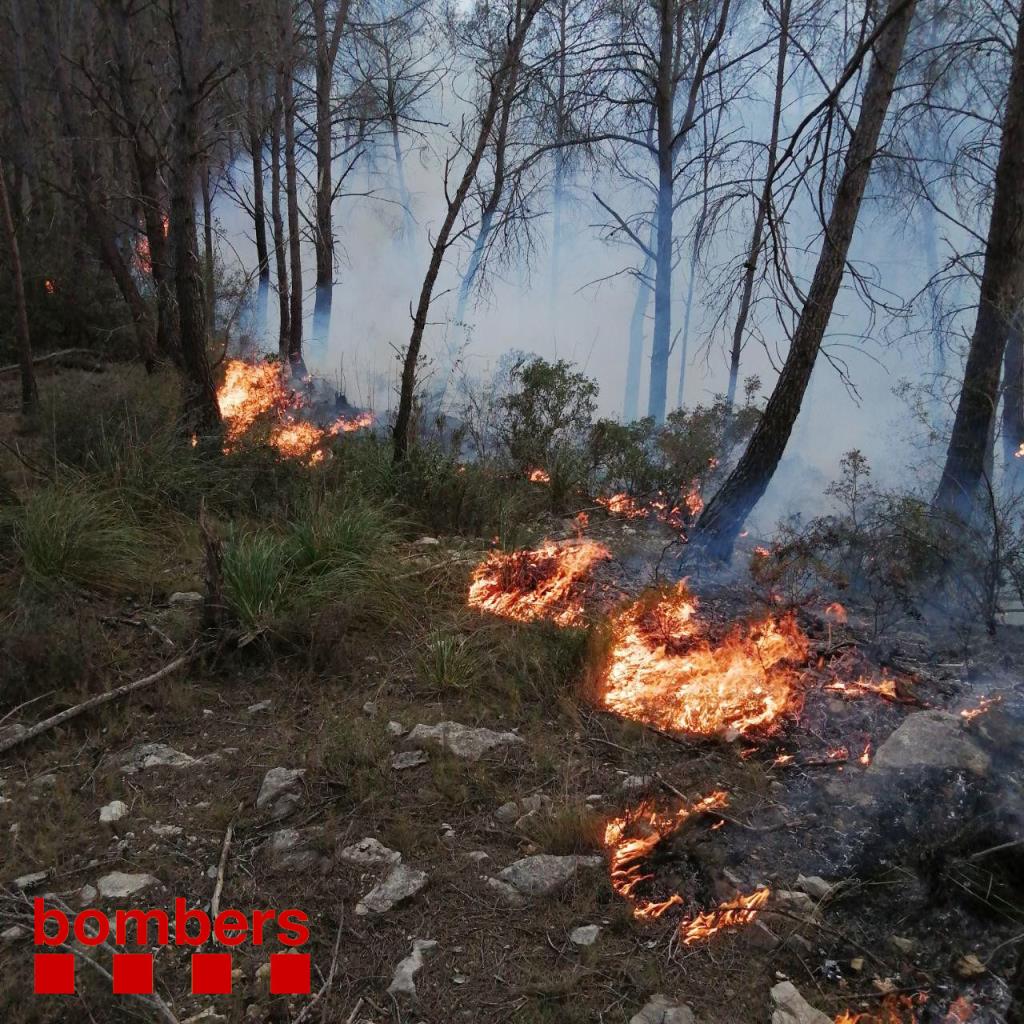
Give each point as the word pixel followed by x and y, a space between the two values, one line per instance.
pixel 300 423
pixel 666 669
pixel 549 582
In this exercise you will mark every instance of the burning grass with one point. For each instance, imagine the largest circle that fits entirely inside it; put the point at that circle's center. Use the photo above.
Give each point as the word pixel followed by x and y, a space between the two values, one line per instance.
pixel 631 840
pixel 665 670
pixel 548 582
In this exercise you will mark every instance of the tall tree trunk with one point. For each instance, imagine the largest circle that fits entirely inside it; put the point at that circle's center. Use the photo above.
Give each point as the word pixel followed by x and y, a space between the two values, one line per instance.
pixel 202 415
pixel 29 391
pixel 1002 287
pixel 327 39
pixel 255 130
pixel 665 114
pixel 722 519
pixel 292 188
pixel 403 417
pixel 208 267
pixel 277 216
pixel 403 189
pixel 88 190
pixel 561 125
pixel 490 207
pixel 684 335
pixel 635 353
pixel 151 192
pixel 761 214
pixel 1013 405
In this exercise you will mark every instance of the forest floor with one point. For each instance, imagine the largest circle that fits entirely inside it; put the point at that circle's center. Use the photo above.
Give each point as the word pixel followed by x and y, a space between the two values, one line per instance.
pixel 342 718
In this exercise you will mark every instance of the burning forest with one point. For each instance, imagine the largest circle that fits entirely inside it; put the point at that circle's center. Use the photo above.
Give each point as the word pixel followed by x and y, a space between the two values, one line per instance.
pixel 512 512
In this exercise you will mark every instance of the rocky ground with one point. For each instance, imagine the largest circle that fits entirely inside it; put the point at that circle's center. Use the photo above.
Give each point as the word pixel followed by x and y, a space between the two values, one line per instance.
pixel 446 841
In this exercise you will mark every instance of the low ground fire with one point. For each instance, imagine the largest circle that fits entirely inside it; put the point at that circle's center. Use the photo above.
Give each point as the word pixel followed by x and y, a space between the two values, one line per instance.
pixel 664 669
pixel 255 392
pixel 548 582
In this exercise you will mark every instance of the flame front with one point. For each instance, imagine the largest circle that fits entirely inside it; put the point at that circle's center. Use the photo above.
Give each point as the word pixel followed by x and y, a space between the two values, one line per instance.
pixel 622 505
pixel 734 913
pixel 901 1009
pixel 253 391
pixel 545 583
pixel 665 672
pixel 540 476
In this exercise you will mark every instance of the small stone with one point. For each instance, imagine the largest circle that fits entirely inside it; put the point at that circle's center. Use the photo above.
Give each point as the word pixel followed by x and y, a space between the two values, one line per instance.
pixel 507 892
pixel 814 886
pixel 545 873
pixel 262 705
pixel 211 871
pixel 185 599
pixel 281 792
pixel 87 895
pixel 660 1009
pixel 478 856
pixel 515 810
pixel 792 1008
pixel 369 853
pixel 47 781
pixel 463 741
pixel 13 934
pixel 403 984
pixel 636 783
pixel 794 902
pixel 395 729
pixel 447 831
pixel 904 945
pixel 409 759
pixel 154 755
pixel 288 849
pixel 934 739
pixel 120 886
pixel 427 542
pixel 585 935
pixel 28 881
pixel 370 709
pixel 857 964
pixel 166 831
pixel 113 812
pixel 969 967
pixel 14 731
pixel 402 883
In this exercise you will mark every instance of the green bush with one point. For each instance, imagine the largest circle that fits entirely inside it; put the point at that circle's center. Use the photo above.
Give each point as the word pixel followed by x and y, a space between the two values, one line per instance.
pixel 70 534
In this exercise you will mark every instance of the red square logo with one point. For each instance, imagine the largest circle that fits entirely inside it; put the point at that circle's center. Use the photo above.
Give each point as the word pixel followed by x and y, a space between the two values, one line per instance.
pixel 211 974
pixel 289 974
pixel 133 974
pixel 54 974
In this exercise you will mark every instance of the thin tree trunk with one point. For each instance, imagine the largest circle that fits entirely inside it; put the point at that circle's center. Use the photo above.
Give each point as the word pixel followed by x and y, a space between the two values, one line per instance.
pixel 208 248
pixel 684 337
pixel 97 219
pixel 292 188
pixel 403 190
pixel 665 114
pixel 558 191
pixel 761 216
pixel 722 519
pixel 403 417
pixel 255 102
pixel 202 415
pixel 280 257
pixel 1002 288
pixel 635 353
pixel 29 391
pixel 327 40
pixel 1013 405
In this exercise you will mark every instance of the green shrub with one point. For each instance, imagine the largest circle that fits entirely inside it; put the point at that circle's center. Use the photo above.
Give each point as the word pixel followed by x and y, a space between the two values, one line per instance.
pixel 447 661
pixel 70 534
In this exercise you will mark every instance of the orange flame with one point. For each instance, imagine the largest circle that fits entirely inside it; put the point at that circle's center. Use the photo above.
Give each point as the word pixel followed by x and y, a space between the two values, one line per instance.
pixel 252 391
pixel 545 583
pixel 622 505
pixel 540 476
pixel 835 612
pixel 1019 453
pixel 734 913
pixel 626 854
pixel 884 687
pixel 664 671
pixel 50 285
pixel 901 1009
pixel 970 714
pixel 865 757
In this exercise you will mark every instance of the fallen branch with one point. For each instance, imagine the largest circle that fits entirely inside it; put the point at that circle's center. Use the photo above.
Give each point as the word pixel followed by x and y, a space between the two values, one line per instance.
pixel 95 364
pixel 222 866
pixel 104 698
